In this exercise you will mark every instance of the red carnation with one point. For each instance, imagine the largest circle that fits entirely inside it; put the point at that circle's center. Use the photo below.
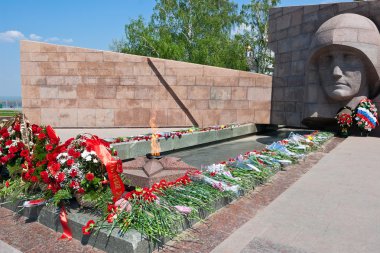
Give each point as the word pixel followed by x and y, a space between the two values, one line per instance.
pixel 5 135
pixel 110 218
pixel 70 162
pixel 90 176
pixel 24 153
pixel 61 177
pixel 8 143
pixel 34 179
pixel 49 147
pixel 4 159
pixel 73 173
pixel 53 187
pixel 71 152
pixel 80 190
pixel 20 145
pixel 111 208
pixel 41 136
pixel 45 176
pixel 73 184
pixel 76 154
pixel 36 129
pixel 86 230
pixel 26 176
pixel 54 168
pixel 13 149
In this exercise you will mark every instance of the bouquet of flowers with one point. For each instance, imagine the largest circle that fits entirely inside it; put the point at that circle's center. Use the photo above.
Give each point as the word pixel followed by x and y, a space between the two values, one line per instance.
pixel 14 146
pixel 366 116
pixel 344 120
pixel 74 168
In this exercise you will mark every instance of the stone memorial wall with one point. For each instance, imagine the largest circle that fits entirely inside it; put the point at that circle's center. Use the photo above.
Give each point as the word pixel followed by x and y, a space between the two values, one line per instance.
pixel 75 87
pixel 301 36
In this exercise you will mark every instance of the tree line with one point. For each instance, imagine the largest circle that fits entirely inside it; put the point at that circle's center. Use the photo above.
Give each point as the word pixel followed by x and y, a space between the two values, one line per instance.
pixel 210 32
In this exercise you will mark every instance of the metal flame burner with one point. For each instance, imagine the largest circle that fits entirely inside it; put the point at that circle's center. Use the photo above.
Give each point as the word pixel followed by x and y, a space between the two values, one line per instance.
pixel 151 156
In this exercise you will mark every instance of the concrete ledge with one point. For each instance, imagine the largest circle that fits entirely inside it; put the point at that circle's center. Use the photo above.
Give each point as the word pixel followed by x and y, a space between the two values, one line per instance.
pixel 129 150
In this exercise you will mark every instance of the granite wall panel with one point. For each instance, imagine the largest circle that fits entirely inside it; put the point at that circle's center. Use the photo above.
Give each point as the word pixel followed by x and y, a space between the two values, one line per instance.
pixel 76 87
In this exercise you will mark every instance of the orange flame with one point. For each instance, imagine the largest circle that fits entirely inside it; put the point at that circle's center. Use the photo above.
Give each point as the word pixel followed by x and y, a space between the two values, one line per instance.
pixel 155 145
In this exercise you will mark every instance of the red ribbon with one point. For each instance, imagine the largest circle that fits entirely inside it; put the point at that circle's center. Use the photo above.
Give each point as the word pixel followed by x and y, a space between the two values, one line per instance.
pixel 99 147
pixel 117 185
pixel 65 225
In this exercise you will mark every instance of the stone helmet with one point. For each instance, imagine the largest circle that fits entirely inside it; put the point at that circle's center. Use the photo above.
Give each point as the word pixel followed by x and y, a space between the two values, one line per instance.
pixel 356 33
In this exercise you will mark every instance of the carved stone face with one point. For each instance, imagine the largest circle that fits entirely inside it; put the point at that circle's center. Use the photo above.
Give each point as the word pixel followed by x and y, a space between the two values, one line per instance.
pixel 341 73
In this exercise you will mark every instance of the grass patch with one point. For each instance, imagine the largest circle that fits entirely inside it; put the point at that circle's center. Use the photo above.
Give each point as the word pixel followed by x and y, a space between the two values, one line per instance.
pixel 8 113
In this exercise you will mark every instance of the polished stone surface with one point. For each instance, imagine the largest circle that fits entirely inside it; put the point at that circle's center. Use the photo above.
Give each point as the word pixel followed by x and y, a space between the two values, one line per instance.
pixel 144 172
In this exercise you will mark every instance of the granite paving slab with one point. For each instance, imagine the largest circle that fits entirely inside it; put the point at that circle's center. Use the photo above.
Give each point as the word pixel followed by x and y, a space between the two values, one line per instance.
pixel 333 208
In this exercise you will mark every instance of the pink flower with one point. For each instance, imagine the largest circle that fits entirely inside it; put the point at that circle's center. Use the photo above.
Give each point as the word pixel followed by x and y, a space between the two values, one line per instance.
pixel 183 209
pixel 123 204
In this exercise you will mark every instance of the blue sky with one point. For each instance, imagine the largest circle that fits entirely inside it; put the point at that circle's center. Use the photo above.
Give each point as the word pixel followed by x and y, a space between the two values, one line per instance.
pixel 85 23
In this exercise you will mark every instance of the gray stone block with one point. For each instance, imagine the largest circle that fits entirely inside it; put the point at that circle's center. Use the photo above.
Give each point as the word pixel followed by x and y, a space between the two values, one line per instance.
pixel 297 17
pixel 298 67
pixel 206 138
pixel 309 27
pixel 310 9
pixel 294 30
pixel 283 22
pixel 301 41
pixel 224 134
pixel 284 45
pixel 138 148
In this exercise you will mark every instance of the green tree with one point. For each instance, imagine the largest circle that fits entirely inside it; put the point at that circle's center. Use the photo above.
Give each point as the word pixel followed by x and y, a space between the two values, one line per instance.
pixel 255 37
pixel 197 31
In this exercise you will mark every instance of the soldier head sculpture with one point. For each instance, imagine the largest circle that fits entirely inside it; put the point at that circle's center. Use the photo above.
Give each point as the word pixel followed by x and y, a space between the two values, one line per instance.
pixel 345 58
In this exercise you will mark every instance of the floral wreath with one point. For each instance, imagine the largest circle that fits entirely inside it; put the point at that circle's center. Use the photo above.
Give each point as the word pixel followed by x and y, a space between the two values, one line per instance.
pixel 366 115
